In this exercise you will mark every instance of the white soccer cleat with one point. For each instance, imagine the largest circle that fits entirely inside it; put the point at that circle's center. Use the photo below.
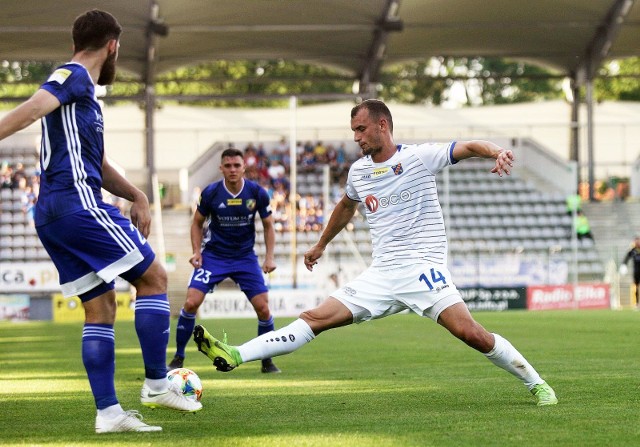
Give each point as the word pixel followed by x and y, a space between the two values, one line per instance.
pixel 127 421
pixel 171 398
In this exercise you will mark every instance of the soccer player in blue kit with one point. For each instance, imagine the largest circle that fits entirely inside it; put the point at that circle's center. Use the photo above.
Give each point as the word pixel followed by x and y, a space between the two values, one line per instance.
pixel 89 241
pixel 397 184
pixel 230 206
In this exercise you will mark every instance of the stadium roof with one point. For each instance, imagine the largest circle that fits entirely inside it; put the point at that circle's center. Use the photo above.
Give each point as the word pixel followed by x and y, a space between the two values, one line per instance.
pixel 358 37
pixel 355 36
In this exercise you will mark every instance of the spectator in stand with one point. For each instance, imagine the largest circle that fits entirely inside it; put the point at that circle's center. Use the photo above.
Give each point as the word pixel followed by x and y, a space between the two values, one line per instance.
pixel 282 146
pixel 583 227
pixel 574 204
pixel 7 175
pixel 19 174
pixel 276 170
pixel 308 162
pixel 320 153
pixel 28 201
pixel 308 146
pixel 299 151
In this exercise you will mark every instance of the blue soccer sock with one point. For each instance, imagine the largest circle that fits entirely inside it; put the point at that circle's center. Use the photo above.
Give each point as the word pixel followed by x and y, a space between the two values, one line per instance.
pixel 152 326
pixel 265 326
pixel 99 358
pixel 184 330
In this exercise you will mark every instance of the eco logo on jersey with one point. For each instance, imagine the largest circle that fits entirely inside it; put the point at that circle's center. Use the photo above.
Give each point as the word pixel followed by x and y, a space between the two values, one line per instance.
pixel 372 203
pixel 250 204
pixel 397 169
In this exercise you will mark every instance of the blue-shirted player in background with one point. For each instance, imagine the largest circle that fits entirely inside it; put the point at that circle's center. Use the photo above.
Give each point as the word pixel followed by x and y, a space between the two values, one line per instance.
pixel 88 240
pixel 230 205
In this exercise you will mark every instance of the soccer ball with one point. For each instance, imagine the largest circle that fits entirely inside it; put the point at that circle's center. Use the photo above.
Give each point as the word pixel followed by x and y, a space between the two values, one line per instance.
pixel 188 381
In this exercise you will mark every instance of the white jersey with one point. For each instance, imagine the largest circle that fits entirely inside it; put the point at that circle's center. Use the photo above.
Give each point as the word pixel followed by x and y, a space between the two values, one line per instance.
pixel 401 204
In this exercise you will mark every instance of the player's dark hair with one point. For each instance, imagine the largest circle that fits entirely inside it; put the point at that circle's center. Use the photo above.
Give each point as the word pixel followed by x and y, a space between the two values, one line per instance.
pixel 231 152
pixel 377 109
pixel 93 29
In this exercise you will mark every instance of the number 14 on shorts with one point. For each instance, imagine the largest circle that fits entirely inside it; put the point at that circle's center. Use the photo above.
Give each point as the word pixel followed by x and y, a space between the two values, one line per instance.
pixel 434 279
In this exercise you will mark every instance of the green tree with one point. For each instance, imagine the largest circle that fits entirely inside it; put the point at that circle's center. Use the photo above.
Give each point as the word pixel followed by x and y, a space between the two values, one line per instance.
pixel 432 81
pixel 619 81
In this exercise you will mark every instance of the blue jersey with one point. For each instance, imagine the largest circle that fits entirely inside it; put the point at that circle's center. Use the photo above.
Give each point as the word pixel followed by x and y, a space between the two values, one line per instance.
pixel 232 231
pixel 72 146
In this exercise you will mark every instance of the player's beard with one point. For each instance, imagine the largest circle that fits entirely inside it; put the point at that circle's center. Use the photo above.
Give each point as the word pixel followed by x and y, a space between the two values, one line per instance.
pixel 108 71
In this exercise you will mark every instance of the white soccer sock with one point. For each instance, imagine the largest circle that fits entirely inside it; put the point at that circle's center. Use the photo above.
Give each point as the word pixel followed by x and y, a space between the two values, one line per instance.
pixel 157 385
pixel 278 342
pixel 508 358
pixel 111 412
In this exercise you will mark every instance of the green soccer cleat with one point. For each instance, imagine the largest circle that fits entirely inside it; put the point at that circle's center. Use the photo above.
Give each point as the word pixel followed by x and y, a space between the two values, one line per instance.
pixel 544 394
pixel 225 357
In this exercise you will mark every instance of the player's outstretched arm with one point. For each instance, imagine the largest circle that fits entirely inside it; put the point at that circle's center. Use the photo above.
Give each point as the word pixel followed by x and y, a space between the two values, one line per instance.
pixel 485 149
pixel 40 104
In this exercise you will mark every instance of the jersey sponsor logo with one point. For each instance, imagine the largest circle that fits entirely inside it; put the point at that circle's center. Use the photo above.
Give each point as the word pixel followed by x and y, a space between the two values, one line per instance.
pixel 250 204
pixel 234 202
pixel 380 171
pixel 59 76
pixel 373 203
pixel 397 169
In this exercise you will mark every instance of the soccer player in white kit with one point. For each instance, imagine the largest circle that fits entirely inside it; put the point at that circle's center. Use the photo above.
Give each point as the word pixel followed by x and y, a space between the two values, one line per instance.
pixel 409 268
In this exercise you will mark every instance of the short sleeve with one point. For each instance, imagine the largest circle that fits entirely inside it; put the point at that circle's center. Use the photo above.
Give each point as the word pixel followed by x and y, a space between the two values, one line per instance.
pixel 264 203
pixel 69 83
pixel 349 189
pixel 436 156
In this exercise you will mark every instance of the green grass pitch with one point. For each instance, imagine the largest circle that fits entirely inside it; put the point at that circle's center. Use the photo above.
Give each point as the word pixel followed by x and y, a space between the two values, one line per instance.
pixel 400 381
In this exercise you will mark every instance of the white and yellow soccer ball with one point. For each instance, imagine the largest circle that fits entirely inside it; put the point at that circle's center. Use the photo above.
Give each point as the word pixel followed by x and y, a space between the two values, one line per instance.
pixel 188 381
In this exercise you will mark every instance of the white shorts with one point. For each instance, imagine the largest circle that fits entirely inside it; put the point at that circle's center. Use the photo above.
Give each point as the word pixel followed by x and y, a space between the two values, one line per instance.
pixel 425 289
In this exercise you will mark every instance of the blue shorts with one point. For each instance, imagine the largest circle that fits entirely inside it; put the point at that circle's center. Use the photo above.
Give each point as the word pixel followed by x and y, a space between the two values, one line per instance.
pixel 245 271
pixel 95 246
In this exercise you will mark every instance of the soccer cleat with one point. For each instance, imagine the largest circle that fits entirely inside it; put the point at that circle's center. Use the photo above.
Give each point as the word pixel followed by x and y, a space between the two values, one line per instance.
pixel 544 394
pixel 225 357
pixel 171 398
pixel 177 362
pixel 268 367
pixel 127 421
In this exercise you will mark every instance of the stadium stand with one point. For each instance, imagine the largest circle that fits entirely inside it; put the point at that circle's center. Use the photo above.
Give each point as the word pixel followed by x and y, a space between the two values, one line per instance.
pixel 486 216
pixel 19 188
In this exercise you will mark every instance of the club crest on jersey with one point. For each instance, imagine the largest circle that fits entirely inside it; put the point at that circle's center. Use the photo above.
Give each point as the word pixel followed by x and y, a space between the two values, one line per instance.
pixel 371 203
pixel 234 202
pixel 250 204
pixel 397 169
